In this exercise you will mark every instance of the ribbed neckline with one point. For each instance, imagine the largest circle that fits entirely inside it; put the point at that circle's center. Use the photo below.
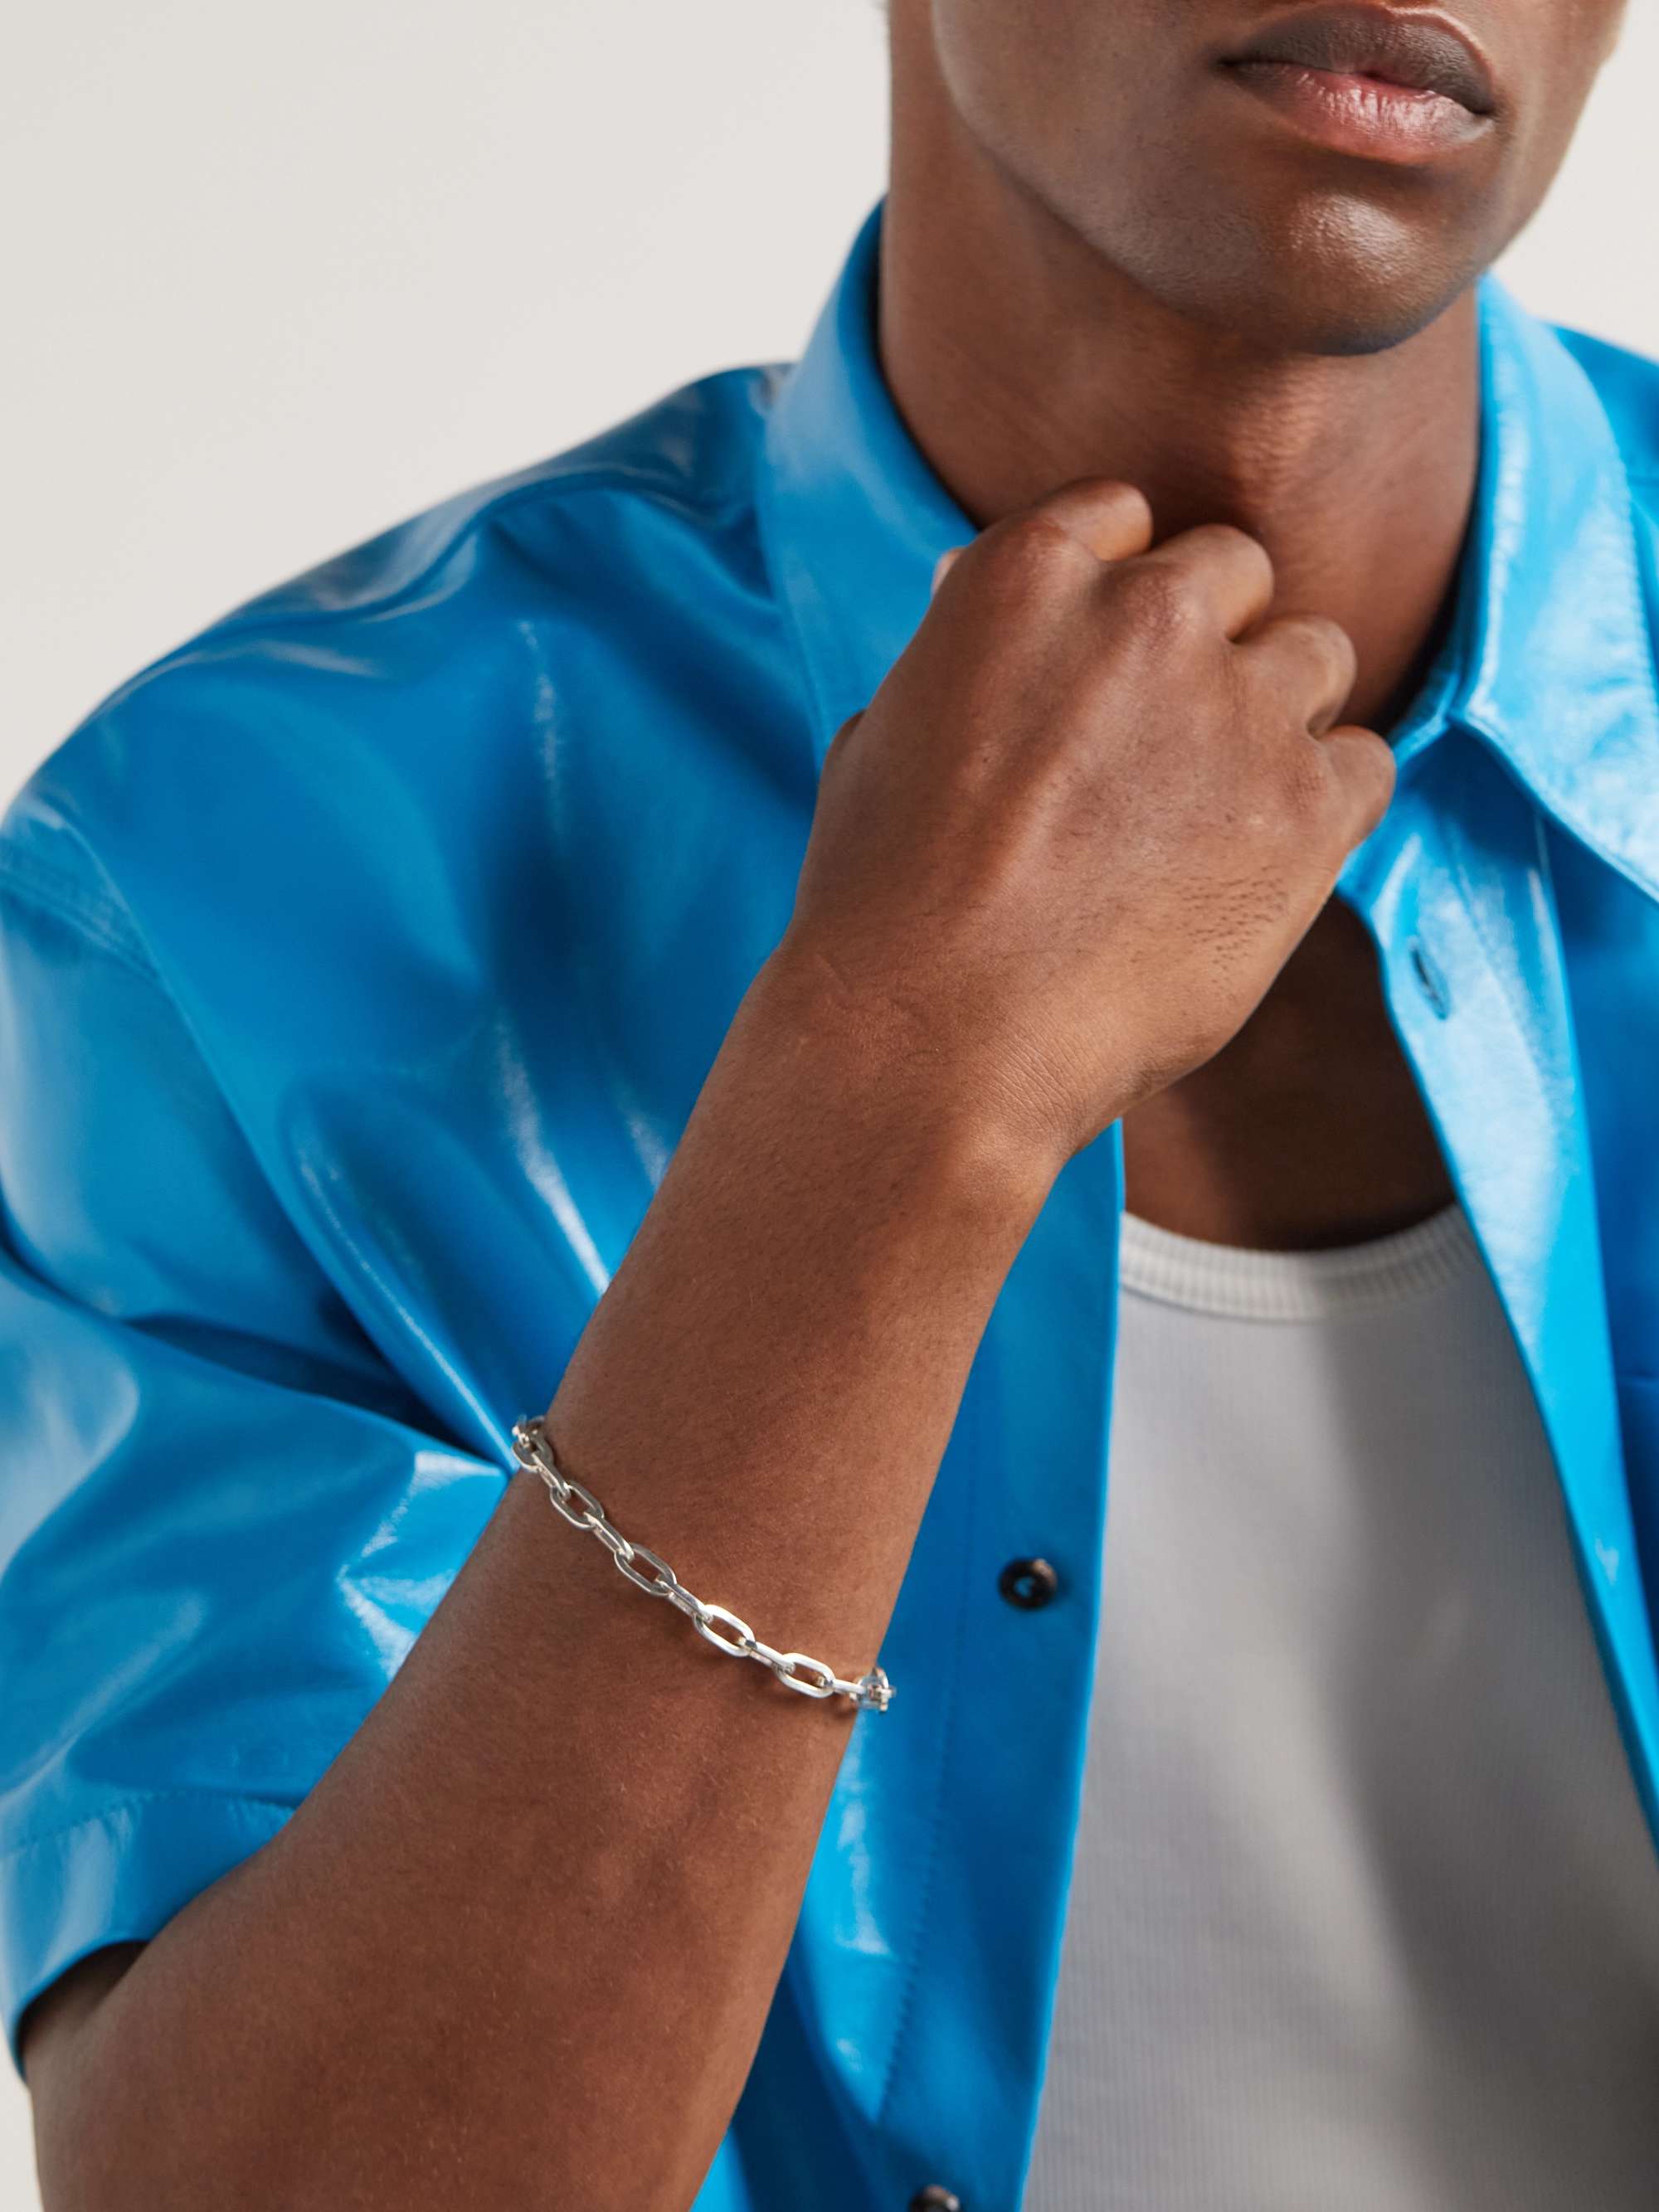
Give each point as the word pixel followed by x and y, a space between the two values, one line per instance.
pixel 1345 1280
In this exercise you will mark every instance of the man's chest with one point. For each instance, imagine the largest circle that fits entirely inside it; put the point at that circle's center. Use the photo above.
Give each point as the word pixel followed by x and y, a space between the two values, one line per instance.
pixel 1308 1129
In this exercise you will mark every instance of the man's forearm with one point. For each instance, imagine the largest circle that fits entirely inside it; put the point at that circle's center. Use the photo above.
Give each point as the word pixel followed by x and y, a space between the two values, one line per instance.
pixel 518 1946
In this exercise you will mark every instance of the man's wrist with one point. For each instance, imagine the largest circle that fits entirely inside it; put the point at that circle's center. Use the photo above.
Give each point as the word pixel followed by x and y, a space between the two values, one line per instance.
pixel 863 1061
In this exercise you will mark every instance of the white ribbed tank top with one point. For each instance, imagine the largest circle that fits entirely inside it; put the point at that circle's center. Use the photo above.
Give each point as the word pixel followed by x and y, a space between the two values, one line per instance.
pixel 1364 1914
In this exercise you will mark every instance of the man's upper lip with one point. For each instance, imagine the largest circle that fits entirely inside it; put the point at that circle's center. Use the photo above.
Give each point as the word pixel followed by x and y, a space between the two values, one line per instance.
pixel 1425 52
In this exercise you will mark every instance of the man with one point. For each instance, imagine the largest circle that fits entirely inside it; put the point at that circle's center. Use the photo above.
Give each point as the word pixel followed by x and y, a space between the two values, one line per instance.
pixel 1063 864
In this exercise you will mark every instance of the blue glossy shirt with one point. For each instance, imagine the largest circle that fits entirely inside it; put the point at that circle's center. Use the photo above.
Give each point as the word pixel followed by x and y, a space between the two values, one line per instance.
pixel 360 961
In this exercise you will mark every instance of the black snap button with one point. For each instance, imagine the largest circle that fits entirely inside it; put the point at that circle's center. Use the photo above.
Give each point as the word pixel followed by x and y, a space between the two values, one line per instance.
pixel 935 2198
pixel 1028 1583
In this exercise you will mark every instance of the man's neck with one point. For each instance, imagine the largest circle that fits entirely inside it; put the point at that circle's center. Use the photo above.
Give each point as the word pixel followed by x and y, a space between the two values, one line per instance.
pixel 1019 361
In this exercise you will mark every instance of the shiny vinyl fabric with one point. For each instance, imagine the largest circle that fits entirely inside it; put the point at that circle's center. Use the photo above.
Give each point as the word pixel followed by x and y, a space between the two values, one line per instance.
pixel 360 961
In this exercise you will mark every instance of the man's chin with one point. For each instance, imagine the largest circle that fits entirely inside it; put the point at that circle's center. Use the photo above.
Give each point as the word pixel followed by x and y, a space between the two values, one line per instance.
pixel 1342 278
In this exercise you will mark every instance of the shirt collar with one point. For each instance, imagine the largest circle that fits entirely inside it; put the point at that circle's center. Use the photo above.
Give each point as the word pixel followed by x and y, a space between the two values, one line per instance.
pixel 1550 658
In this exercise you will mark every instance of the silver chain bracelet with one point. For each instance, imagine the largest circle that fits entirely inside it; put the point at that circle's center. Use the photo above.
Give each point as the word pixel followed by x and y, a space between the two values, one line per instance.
pixel 809 1678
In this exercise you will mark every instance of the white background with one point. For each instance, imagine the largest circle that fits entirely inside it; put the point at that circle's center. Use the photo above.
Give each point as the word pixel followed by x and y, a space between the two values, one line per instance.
pixel 275 278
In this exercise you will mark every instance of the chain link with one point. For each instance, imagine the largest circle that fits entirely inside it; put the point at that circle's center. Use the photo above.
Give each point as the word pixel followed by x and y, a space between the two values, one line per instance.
pixel 716 1623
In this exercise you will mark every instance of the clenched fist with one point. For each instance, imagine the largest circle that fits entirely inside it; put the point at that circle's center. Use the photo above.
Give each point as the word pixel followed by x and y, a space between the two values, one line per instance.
pixel 1066 849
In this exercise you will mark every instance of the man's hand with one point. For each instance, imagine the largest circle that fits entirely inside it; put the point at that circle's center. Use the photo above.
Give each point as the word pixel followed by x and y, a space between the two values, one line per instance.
pixel 1083 823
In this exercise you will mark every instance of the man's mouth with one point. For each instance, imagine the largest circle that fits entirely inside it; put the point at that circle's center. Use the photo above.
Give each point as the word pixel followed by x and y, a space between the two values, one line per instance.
pixel 1371 79
pixel 1414 53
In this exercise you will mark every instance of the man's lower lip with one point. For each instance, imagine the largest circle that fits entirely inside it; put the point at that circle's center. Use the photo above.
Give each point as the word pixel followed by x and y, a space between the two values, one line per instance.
pixel 1361 114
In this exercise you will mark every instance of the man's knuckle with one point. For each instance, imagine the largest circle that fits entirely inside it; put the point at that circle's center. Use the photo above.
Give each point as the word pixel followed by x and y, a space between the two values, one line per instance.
pixel 1037 543
pixel 1158 599
pixel 1378 770
pixel 1327 640
pixel 1225 541
pixel 1306 783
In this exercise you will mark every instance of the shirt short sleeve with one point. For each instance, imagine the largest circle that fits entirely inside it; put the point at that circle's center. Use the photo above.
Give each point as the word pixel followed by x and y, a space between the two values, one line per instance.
pixel 223 1517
